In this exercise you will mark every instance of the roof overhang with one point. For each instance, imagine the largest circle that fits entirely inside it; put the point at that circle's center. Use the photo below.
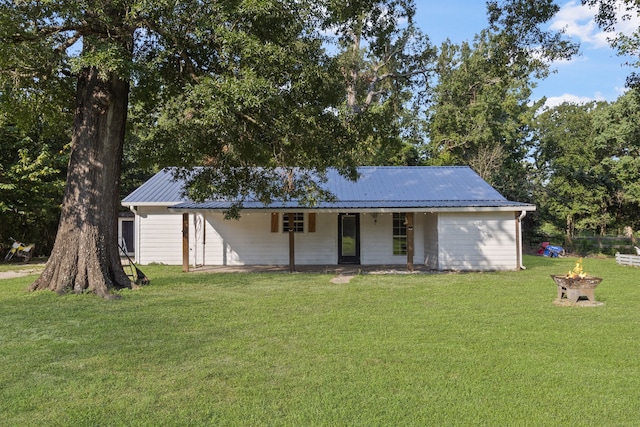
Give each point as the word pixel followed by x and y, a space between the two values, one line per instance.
pixel 150 204
pixel 336 210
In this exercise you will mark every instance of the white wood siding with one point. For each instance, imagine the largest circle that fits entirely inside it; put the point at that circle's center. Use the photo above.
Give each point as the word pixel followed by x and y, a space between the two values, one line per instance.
pixel 431 240
pixel 320 247
pixel 376 240
pixel 159 236
pixel 249 240
pixel 477 241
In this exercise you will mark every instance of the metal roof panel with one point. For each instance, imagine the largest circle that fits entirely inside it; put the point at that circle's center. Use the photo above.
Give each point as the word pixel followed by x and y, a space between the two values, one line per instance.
pixel 378 187
pixel 161 189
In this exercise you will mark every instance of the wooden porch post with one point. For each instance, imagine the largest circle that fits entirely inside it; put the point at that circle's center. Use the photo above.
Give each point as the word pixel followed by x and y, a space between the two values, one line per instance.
pixel 185 242
pixel 410 239
pixel 292 246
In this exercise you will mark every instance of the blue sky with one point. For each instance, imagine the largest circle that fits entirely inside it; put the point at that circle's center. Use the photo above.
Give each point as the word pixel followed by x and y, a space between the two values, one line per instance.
pixel 597 74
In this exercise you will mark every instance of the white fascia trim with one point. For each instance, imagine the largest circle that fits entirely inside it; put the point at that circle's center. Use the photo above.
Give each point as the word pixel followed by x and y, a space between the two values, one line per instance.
pixel 369 210
pixel 149 204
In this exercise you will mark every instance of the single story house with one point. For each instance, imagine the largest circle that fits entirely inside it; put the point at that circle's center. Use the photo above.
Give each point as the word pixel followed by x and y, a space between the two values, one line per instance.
pixel 445 218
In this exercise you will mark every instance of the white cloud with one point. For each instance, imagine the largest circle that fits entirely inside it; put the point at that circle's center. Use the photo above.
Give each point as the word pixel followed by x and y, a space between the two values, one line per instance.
pixel 578 21
pixel 621 90
pixel 554 101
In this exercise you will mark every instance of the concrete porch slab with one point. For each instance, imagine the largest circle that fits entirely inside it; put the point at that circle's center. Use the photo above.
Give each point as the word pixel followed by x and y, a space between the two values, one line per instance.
pixel 318 269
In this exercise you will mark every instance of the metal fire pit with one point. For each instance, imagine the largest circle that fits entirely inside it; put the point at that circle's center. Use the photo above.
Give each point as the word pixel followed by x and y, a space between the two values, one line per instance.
pixel 573 289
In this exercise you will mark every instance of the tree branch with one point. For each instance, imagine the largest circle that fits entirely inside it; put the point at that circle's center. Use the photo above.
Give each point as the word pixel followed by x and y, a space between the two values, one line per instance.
pixel 46 31
pixel 191 68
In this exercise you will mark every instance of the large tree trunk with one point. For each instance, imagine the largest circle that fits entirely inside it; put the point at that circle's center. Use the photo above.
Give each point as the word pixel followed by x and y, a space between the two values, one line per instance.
pixel 85 255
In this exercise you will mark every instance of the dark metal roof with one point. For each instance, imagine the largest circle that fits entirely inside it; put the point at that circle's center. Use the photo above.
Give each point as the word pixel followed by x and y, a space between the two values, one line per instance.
pixel 379 187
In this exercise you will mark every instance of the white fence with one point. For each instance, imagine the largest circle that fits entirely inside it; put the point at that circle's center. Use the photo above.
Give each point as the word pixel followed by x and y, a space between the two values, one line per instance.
pixel 623 259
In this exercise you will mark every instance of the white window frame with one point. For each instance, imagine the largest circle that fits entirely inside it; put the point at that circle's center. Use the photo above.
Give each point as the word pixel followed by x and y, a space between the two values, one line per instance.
pixel 399 232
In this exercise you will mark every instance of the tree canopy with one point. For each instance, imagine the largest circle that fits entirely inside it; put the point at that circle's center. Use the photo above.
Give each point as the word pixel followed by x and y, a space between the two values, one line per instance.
pixel 480 115
pixel 586 164
pixel 34 141
pixel 246 87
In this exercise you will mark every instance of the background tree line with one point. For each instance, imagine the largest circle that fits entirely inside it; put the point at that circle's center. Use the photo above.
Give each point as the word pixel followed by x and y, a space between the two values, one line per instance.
pixel 375 90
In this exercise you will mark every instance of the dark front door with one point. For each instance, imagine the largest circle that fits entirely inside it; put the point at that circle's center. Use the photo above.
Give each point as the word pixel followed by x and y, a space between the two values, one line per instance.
pixel 349 239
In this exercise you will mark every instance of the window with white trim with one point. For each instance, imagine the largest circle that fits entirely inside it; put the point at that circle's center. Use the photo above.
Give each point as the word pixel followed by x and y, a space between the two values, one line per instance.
pixel 399 234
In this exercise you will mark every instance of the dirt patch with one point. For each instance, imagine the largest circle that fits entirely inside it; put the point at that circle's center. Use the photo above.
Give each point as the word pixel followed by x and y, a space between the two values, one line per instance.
pixel 12 274
pixel 580 303
pixel 342 278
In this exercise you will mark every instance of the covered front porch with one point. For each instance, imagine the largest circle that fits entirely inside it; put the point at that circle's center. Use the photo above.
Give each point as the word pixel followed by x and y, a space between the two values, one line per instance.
pixel 347 236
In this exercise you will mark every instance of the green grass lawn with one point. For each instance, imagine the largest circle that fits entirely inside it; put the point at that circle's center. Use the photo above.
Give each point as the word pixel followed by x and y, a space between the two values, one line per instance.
pixel 298 350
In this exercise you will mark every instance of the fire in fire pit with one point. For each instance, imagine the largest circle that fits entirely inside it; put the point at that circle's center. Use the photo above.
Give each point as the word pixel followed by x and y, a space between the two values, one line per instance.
pixel 576 284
